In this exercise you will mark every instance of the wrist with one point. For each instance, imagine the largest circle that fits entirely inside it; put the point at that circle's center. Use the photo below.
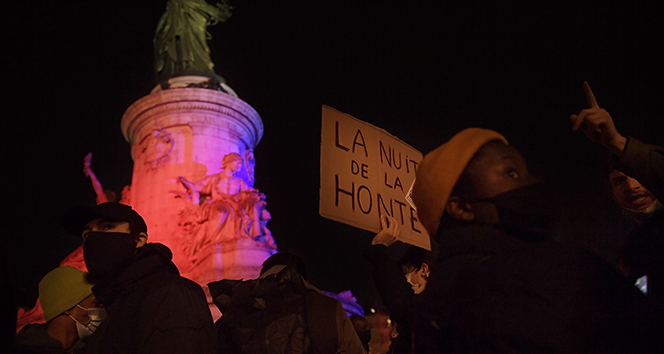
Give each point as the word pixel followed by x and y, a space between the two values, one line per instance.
pixel 378 241
pixel 617 145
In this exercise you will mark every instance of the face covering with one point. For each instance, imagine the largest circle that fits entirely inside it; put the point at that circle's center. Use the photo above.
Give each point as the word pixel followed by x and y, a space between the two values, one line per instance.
pixel 641 216
pixel 531 212
pixel 107 253
pixel 96 315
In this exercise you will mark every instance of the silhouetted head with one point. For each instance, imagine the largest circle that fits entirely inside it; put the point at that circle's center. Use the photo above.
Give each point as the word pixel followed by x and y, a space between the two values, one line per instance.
pixel 287 259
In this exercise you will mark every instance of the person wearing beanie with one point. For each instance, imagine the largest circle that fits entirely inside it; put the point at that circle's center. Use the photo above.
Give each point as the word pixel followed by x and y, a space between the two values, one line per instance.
pixel 151 308
pixel 636 177
pixel 501 281
pixel 71 313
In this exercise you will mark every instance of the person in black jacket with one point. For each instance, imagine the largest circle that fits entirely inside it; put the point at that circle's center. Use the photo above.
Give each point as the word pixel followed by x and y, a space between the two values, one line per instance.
pixel 500 282
pixel 399 283
pixel 150 307
pixel 636 177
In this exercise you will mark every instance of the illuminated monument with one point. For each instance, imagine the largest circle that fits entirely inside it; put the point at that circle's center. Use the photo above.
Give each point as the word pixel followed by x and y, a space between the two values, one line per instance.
pixel 192 143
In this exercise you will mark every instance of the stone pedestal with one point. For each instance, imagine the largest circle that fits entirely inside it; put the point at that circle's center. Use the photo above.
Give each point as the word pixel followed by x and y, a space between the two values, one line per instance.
pixel 235 259
pixel 186 132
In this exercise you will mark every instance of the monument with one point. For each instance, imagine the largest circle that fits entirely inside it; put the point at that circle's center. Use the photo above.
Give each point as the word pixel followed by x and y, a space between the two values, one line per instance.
pixel 192 142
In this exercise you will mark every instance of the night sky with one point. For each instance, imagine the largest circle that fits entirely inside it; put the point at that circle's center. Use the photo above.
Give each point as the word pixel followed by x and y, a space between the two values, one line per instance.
pixel 420 70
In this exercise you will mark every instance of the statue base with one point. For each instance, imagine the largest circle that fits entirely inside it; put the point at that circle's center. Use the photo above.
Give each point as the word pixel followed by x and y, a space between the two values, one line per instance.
pixel 233 259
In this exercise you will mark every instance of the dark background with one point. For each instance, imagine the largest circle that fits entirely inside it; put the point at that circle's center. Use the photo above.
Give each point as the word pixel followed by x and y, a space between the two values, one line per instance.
pixel 421 70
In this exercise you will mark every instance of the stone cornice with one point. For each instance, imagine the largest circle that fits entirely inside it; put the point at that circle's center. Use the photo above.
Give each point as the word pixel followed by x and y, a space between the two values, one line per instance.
pixel 158 105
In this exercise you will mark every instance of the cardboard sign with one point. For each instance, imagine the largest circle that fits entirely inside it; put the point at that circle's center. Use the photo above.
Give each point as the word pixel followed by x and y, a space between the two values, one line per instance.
pixel 366 172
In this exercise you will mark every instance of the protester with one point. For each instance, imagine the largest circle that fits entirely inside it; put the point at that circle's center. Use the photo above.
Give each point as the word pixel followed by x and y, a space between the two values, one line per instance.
pixel 499 283
pixel 71 313
pixel 281 313
pixel 636 176
pixel 151 308
pixel 415 266
pixel 399 282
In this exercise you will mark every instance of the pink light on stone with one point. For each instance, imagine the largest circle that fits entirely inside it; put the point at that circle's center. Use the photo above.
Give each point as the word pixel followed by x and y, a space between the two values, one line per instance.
pixel 181 135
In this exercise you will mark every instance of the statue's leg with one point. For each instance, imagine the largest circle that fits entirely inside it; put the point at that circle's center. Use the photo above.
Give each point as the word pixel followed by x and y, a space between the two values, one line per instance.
pixel 219 221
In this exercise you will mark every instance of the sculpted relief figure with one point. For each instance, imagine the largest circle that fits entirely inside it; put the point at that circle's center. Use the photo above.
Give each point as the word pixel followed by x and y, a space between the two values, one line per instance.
pixel 224 208
pixel 251 164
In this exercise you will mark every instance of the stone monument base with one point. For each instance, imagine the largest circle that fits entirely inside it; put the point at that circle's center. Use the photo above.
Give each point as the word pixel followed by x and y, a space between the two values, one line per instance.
pixel 234 259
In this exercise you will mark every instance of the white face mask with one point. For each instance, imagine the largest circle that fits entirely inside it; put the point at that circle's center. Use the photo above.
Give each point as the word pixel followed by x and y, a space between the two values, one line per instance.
pixel 417 288
pixel 96 315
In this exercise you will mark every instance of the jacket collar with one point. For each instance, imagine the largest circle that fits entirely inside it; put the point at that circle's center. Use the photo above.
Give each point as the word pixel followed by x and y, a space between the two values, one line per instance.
pixel 149 259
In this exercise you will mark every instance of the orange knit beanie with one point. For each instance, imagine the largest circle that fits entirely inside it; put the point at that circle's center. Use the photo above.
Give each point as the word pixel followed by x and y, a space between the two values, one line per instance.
pixel 440 169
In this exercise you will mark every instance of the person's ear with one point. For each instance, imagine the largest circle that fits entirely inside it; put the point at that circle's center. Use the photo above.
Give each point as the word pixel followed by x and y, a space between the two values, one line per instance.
pixel 142 240
pixel 459 210
pixel 425 271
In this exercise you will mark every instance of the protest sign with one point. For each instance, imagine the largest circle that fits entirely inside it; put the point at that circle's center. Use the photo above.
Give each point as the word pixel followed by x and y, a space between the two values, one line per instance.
pixel 366 172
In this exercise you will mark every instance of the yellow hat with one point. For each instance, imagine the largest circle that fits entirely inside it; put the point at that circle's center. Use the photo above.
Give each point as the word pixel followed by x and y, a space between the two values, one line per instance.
pixel 440 169
pixel 61 289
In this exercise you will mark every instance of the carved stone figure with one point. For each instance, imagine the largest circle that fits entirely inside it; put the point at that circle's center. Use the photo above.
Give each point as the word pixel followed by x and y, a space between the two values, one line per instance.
pixel 156 148
pixel 224 206
pixel 250 164
pixel 265 217
pixel 180 41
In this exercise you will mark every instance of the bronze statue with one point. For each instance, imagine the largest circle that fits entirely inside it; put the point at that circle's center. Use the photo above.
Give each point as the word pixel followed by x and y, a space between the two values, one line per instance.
pixel 180 42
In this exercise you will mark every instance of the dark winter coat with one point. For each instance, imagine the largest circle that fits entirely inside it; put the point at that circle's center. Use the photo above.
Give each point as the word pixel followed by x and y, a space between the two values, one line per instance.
pixel 491 292
pixel 152 309
pixel 33 339
pixel 281 313
pixel 399 298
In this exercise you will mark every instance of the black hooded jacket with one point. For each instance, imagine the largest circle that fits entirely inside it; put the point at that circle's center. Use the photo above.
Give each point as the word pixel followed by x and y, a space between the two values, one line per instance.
pixel 489 291
pixel 152 309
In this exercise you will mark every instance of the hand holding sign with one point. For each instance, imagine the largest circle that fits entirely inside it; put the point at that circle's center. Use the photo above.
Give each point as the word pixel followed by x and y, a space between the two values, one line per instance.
pixel 597 124
pixel 389 232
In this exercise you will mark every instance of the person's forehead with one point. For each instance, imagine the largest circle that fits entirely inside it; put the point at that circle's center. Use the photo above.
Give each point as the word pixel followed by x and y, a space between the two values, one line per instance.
pixel 100 221
pixel 494 153
pixel 90 300
pixel 616 174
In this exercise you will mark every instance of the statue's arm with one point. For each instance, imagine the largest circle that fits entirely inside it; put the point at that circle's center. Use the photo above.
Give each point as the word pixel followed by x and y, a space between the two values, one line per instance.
pixel 96 185
pixel 188 185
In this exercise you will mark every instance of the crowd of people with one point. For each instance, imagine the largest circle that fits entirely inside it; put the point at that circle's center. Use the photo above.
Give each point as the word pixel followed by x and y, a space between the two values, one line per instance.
pixel 498 278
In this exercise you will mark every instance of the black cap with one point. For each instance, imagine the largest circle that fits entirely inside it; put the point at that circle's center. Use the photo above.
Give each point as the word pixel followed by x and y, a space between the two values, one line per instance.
pixel 77 217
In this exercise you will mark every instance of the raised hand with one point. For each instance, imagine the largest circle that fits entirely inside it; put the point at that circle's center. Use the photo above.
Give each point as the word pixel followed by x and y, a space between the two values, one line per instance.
pixel 389 233
pixel 87 161
pixel 597 124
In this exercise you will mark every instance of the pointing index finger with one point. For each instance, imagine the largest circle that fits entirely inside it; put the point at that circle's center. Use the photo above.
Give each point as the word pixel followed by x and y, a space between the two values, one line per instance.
pixel 590 97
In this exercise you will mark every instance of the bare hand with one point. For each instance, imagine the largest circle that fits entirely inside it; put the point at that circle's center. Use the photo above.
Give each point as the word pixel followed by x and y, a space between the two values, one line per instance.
pixel 389 233
pixel 597 124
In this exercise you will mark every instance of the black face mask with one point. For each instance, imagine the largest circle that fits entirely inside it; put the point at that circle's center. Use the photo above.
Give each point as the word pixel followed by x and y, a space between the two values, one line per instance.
pixel 532 212
pixel 107 253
